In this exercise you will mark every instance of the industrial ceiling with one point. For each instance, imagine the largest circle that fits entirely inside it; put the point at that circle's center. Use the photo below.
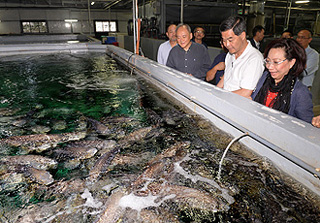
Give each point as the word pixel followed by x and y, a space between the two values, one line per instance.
pixel 313 5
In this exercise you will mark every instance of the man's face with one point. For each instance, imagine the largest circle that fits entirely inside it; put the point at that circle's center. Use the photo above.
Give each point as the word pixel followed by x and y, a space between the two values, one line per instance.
pixel 286 35
pixel 171 33
pixel 199 33
pixel 184 38
pixel 260 35
pixel 232 42
pixel 304 38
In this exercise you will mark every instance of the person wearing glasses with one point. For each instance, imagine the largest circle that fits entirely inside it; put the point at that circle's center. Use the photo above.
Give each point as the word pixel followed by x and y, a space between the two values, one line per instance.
pixel 199 33
pixel 304 38
pixel 279 87
pixel 243 63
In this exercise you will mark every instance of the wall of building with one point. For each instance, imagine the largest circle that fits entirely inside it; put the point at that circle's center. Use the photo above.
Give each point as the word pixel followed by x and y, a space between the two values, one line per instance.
pixel 10 19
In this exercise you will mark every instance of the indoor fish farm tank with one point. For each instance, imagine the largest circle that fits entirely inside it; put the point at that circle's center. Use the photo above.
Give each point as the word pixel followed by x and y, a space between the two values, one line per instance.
pixel 84 140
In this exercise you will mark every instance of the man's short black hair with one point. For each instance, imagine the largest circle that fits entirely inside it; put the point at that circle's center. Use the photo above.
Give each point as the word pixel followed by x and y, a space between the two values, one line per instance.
pixel 257 28
pixel 287 31
pixel 236 23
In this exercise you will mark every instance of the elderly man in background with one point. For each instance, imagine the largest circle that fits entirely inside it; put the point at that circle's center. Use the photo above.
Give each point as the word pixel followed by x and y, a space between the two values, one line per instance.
pixel 199 33
pixel 304 38
pixel 189 57
pixel 165 48
pixel 243 63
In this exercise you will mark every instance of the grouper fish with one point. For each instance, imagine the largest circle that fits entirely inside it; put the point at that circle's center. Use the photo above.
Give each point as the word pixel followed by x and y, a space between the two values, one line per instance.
pixel 35 161
pixel 41 142
pixel 105 160
pixel 99 127
pixel 102 164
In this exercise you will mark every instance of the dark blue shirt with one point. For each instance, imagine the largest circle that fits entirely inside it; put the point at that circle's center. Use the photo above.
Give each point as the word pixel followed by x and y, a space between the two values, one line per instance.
pixel 203 43
pixel 301 105
pixel 195 61
pixel 220 58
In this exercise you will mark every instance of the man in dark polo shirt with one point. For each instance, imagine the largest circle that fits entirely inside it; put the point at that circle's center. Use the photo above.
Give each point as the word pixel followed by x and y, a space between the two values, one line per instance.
pixel 189 57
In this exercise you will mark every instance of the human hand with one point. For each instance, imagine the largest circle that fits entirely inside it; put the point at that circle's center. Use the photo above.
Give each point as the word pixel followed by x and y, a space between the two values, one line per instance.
pixel 211 74
pixel 316 121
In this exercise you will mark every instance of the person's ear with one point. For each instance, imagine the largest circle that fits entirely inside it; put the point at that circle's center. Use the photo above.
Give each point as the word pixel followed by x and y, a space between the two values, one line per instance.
pixel 243 36
pixel 190 35
pixel 292 62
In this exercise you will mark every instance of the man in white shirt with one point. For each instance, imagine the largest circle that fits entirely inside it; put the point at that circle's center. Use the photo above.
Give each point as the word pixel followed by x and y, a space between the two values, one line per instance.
pixel 244 63
pixel 164 48
pixel 304 38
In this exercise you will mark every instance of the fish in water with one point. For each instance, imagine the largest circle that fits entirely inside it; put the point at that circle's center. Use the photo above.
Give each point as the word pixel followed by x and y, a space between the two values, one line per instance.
pixel 98 144
pixel 65 188
pixel 132 158
pixel 8 111
pixel 161 216
pixel 117 119
pixel 113 211
pixel 11 176
pixel 153 117
pixel 135 136
pixel 41 142
pixel 186 197
pixel 102 164
pixel 39 176
pixel 99 127
pixel 35 161
pixel 79 153
pixel 177 151
pixel 157 170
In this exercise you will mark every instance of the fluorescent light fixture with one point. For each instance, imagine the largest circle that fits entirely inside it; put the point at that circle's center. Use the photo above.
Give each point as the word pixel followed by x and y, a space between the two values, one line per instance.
pixel 73 41
pixel 92 3
pixel 71 20
pixel 300 2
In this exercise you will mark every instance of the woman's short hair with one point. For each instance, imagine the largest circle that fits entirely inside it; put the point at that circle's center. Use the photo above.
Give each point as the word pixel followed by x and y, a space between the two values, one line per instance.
pixel 293 50
pixel 235 23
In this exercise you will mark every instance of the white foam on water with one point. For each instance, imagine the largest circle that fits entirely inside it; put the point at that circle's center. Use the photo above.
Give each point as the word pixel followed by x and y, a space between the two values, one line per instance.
pixel 138 203
pixel 90 202
pixel 196 178
pixel 54 216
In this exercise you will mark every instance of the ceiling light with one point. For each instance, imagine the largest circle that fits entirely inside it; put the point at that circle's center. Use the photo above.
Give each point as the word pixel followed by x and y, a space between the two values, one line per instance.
pixel 71 20
pixel 300 2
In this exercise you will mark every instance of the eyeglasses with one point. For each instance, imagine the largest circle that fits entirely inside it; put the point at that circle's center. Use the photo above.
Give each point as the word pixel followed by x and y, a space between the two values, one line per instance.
pixel 303 37
pixel 199 31
pixel 268 62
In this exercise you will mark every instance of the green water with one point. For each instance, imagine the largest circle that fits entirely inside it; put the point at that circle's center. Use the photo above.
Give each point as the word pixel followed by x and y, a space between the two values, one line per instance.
pixel 62 86
pixel 43 90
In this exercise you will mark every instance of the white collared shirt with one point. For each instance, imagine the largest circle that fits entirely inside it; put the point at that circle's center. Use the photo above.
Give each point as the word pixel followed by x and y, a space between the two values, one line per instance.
pixel 245 71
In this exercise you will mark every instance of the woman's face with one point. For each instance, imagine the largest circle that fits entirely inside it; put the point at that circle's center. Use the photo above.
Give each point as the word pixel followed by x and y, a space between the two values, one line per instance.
pixel 277 64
